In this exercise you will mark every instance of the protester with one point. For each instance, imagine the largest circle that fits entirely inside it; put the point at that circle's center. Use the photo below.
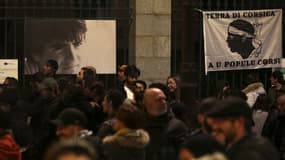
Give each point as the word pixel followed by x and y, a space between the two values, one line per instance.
pixel 277 82
pixel 173 85
pixel 260 109
pixel 112 101
pixel 130 139
pixel 73 149
pixel 132 73
pixel 86 76
pixel 166 132
pixel 50 68
pixel 253 89
pixel 121 72
pixel 232 117
pixel 274 126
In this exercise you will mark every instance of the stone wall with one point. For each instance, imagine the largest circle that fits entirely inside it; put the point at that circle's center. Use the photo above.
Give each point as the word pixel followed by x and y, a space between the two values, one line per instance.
pixel 152 39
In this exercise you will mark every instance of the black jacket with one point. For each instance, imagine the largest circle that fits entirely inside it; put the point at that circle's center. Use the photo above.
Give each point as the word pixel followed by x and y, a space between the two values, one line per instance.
pixel 274 130
pixel 253 148
pixel 166 135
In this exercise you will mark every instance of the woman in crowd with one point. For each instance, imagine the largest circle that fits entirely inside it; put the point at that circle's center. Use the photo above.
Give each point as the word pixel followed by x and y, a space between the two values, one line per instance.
pixel 173 85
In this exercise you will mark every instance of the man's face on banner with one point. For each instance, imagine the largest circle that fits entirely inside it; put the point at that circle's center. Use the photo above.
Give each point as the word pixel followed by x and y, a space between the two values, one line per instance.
pixel 64 53
pixel 234 42
pixel 58 40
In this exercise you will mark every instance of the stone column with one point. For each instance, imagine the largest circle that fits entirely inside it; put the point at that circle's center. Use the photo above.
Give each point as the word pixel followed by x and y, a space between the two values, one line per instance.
pixel 152 39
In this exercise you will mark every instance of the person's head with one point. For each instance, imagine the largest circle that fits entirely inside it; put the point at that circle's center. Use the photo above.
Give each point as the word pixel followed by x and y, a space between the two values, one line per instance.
pixel 277 78
pixel 205 106
pixel 199 146
pixel 141 85
pixel 232 118
pixel 163 87
pixel 132 73
pixel 86 76
pixel 96 91
pixel 50 67
pixel 128 116
pixel 11 82
pixel 251 78
pixel 121 72
pixel 69 123
pixel 112 101
pixel 72 93
pixel 57 40
pixel 73 149
pixel 281 104
pixel 172 83
pixel 48 87
pixel 228 93
pixel 240 36
pixel 36 80
pixel 263 102
pixel 155 102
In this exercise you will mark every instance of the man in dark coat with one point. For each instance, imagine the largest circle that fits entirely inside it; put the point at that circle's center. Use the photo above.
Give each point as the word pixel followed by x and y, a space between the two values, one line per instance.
pixel 231 118
pixel 166 132
pixel 112 101
pixel 274 126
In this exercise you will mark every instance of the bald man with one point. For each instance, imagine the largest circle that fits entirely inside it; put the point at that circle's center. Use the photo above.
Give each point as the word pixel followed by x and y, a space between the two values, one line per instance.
pixel 166 132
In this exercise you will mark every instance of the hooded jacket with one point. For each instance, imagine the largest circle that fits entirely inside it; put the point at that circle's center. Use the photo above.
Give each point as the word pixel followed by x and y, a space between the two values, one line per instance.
pixel 126 144
pixel 252 92
pixel 9 150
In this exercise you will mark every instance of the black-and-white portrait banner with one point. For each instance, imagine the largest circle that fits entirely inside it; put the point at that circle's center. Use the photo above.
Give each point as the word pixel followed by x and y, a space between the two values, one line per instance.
pixel 247 39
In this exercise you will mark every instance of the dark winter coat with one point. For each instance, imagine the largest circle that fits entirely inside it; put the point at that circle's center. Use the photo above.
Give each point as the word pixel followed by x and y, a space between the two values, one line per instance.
pixel 253 148
pixel 126 144
pixel 274 130
pixel 166 135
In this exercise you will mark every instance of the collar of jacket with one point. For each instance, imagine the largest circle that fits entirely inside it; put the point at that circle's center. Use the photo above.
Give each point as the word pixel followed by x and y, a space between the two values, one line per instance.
pixel 162 119
pixel 128 138
pixel 252 87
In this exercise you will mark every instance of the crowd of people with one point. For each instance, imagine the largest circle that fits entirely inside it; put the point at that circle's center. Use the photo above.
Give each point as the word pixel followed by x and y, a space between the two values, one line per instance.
pixel 66 119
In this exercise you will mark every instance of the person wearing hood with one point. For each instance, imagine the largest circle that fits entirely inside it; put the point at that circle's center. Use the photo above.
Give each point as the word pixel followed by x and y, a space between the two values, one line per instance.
pixel 130 139
pixel 9 149
pixel 253 89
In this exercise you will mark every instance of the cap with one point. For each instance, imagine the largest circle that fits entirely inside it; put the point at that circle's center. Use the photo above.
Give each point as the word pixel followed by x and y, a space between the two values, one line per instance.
pixel 70 116
pixel 48 83
pixel 230 107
